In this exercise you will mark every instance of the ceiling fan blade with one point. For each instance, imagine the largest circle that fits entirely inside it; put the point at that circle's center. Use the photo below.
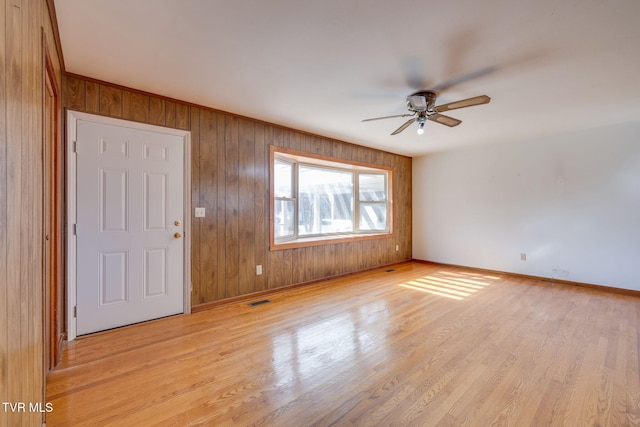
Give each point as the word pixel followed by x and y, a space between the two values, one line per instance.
pixel 463 79
pixel 445 120
pixel 388 117
pixel 404 126
pixel 414 72
pixel 417 102
pixel 477 100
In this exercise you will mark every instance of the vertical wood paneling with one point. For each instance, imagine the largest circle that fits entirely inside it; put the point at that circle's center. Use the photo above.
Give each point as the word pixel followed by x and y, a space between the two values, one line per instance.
pixel 21 202
pixel 5 295
pixel 156 111
pixel 4 279
pixel 208 177
pixel 111 101
pixel 287 267
pixel 269 261
pixel 246 207
pixel 310 264
pixel 261 194
pixel 170 114
pixel 231 209
pixel 295 140
pixel 318 262
pixel 351 257
pixel 74 94
pixel 196 224
pixel 92 97
pixel 14 195
pixel 230 179
pixel 315 145
pixel 329 267
pixel 182 116
pixel 276 272
pixel 220 212
pixel 337 150
pixel 338 255
pixel 32 185
pixel 278 137
pixel 347 151
pixel 297 259
pixel 135 107
pixel 327 146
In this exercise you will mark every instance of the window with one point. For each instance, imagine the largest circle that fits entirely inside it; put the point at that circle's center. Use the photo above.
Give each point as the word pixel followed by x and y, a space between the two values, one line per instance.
pixel 285 201
pixel 315 199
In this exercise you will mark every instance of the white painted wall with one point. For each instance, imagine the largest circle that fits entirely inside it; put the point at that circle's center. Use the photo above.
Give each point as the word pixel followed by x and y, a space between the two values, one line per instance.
pixel 571 202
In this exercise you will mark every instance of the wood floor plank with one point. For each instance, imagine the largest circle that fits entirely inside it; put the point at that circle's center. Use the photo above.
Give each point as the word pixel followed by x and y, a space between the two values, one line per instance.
pixel 422 345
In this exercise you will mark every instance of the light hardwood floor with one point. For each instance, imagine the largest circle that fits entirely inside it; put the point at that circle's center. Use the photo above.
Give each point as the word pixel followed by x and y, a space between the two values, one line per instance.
pixel 423 345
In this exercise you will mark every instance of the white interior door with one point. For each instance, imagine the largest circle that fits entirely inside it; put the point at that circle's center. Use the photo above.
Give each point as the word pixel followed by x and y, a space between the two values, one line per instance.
pixel 130 225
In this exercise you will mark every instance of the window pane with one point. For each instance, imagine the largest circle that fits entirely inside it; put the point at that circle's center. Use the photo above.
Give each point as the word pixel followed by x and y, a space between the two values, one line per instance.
pixel 326 200
pixel 283 222
pixel 282 179
pixel 372 187
pixel 373 216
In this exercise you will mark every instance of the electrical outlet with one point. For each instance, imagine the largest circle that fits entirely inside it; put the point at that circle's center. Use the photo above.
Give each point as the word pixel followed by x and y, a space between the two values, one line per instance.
pixel 523 257
pixel 258 270
pixel 397 248
pixel 199 212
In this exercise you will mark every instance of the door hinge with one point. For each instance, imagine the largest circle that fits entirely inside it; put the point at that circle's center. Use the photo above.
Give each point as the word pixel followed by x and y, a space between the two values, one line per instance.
pixel 75 229
pixel 75 311
pixel 75 146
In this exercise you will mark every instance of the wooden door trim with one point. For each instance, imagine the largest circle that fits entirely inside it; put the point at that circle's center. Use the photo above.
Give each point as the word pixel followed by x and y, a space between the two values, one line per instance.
pixel 53 214
pixel 72 118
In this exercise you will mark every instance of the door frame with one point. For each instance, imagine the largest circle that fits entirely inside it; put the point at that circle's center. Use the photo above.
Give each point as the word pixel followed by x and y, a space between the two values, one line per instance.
pixel 72 119
pixel 53 215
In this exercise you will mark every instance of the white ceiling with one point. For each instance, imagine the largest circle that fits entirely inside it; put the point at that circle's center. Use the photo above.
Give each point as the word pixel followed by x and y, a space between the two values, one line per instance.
pixel 322 66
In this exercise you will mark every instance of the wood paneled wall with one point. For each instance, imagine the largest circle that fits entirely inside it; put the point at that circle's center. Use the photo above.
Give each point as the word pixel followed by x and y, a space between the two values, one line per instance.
pixel 230 168
pixel 25 32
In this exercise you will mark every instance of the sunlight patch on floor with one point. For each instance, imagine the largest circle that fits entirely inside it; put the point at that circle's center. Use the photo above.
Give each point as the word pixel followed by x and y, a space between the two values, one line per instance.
pixel 457 286
pixel 421 289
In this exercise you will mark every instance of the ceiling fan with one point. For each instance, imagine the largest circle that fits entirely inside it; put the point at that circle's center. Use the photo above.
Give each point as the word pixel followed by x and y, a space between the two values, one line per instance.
pixel 422 107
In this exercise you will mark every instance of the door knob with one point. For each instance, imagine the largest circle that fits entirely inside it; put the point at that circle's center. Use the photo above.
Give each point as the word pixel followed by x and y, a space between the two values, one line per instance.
pixel 177 235
pixel 177 223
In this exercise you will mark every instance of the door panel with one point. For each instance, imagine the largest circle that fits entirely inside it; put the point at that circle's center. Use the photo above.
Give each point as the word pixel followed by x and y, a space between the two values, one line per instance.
pixel 155 201
pixel 113 277
pixel 155 272
pixel 129 208
pixel 113 200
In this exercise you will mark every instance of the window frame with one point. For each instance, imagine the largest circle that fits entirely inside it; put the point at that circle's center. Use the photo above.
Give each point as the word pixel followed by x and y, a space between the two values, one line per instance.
pixel 360 202
pixel 296 158
pixel 293 198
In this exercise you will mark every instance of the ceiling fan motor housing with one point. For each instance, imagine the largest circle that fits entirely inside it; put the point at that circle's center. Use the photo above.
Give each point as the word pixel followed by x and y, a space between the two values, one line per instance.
pixel 423 100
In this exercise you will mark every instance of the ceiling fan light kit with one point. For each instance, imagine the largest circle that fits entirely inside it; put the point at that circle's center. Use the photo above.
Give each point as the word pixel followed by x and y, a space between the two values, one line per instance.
pixel 421 121
pixel 422 107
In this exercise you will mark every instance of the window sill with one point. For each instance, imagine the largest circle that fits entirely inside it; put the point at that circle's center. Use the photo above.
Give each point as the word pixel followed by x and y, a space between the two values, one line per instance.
pixel 327 240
